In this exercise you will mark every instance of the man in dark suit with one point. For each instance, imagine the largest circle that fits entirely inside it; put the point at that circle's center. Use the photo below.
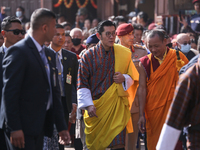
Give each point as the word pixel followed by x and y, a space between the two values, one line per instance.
pixel 10 38
pixel 67 65
pixel 31 96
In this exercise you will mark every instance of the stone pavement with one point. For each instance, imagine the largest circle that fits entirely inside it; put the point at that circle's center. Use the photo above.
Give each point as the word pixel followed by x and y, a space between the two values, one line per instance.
pixel 142 147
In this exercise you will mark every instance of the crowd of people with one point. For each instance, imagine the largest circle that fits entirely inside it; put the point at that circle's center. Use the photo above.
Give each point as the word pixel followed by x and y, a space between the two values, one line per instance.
pixel 98 84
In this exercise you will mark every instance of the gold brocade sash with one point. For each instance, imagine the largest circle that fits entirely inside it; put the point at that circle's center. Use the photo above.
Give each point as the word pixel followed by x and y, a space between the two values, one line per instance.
pixel 112 108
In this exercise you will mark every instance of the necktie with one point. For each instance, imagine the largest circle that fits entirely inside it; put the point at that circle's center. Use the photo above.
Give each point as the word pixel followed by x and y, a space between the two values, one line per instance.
pixel 58 64
pixel 45 61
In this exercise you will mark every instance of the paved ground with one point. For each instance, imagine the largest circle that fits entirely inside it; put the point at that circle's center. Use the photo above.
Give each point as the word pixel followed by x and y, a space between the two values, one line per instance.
pixel 142 147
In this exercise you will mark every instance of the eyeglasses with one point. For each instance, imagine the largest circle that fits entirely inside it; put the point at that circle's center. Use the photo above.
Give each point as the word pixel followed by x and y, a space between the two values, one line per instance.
pixel 17 31
pixel 108 34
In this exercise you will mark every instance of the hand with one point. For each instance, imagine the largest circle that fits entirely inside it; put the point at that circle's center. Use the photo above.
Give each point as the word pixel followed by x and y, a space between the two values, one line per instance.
pixel 74 108
pixel 72 115
pixel 64 137
pixel 118 77
pixel 17 139
pixel 184 22
pixel 92 111
pixel 141 124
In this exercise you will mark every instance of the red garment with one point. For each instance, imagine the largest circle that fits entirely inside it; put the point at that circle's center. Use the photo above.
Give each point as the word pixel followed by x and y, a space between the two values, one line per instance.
pixel 80 49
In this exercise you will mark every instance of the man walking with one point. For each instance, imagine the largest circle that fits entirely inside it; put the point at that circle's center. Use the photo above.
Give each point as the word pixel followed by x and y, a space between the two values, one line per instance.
pixel 12 32
pixel 31 96
pixel 158 78
pixel 67 65
pixel 105 73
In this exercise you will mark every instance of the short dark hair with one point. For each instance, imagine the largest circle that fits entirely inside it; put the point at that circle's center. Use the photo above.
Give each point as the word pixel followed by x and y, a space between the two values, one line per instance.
pixel 153 33
pixel 137 26
pixel 119 19
pixel 143 15
pixel 59 26
pixel 6 23
pixel 102 24
pixel 40 17
pixel 22 8
pixel 67 33
pixel 64 24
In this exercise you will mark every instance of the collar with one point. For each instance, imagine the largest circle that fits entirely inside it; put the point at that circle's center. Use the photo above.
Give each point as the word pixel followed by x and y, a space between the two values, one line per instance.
pixel 4 48
pixel 59 52
pixel 161 60
pixel 38 46
pixel 103 50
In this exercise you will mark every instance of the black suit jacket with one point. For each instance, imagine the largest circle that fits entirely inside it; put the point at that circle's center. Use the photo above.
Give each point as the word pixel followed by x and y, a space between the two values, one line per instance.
pixel 70 66
pixel 26 90
pixel 1 72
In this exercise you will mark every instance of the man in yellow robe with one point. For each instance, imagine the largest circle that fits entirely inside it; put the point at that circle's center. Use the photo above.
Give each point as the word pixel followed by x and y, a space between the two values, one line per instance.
pixel 105 73
pixel 158 77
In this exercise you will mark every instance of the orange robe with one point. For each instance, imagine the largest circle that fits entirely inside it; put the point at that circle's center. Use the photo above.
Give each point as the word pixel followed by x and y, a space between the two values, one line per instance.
pixel 160 90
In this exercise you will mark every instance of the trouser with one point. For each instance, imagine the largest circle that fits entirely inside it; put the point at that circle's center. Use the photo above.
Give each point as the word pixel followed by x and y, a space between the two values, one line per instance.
pixel 2 140
pixel 31 142
pixel 132 138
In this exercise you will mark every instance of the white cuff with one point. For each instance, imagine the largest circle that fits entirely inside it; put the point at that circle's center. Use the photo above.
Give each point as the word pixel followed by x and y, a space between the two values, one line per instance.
pixel 128 82
pixel 84 98
pixel 168 138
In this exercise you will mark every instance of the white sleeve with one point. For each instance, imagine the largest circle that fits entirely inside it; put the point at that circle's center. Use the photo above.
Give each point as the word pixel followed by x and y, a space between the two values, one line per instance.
pixel 84 98
pixel 168 138
pixel 128 82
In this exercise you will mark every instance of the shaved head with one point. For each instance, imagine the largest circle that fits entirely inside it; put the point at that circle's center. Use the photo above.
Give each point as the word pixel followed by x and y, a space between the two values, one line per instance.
pixel 182 37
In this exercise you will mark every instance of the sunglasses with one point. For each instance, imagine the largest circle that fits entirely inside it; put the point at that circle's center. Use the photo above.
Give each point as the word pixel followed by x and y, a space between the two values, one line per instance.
pixel 17 31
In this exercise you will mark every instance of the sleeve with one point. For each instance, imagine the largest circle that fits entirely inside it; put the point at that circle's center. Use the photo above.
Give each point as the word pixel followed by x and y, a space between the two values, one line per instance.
pixel 83 88
pixel 182 99
pixel 128 82
pixel 14 65
pixel 74 84
pixel 57 105
pixel 168 135
pixel 83 72
pixel 84 98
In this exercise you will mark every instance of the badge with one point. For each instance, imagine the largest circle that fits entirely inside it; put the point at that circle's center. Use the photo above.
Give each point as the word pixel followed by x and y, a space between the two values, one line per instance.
pixel 49 58
pixel 65 58
pixel 69 79
pixel 54 79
